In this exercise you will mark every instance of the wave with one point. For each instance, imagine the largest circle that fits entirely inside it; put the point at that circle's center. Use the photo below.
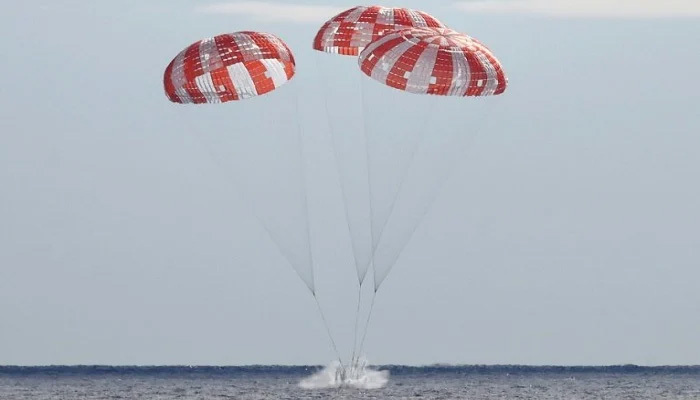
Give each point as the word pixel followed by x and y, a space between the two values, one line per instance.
pixel 358 376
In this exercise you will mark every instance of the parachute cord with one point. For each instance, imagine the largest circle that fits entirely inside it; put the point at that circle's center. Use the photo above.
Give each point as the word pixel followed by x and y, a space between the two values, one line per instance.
pixel 246 200
pixel 369 172
pixel 333 134
pixel 308 226
pixel 369 317
pixel 328 331
pixel 371 207
pixel 357 317
pixel 417 145
pixel 338 167
pixel 428 206
pixel 305 189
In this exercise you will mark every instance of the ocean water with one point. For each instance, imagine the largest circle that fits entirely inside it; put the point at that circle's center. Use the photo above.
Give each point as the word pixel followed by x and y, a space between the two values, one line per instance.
pixel 425 383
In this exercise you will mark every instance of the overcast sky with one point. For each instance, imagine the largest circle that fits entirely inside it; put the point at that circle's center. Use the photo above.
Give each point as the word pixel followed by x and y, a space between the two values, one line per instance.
pixel 568 234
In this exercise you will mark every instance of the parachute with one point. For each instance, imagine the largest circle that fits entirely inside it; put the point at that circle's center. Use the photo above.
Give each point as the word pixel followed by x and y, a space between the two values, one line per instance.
pixel 268 170
pixel 434 61
pixel 239 66
pixel 229 67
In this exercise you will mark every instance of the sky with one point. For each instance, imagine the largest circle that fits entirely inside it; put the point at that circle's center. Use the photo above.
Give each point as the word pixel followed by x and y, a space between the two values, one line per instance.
pixel 566 234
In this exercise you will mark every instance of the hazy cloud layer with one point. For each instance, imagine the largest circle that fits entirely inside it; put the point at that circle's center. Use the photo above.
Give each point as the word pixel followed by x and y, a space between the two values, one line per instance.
pixel 588 8
pixel 273 12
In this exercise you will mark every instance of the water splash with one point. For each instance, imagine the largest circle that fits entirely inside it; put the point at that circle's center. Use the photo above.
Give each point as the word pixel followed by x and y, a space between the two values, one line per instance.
pixel 358 376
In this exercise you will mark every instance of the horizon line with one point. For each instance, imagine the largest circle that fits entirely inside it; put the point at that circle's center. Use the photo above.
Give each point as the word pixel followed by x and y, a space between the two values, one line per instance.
pixel 434 365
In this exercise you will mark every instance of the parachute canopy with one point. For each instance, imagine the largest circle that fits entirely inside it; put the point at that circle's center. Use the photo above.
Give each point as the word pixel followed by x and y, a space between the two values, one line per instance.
pixel 352 30
pixel 436 61
pixel 228 67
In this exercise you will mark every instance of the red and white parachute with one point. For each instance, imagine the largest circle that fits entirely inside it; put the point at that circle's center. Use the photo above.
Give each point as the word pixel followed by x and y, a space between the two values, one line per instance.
pixel 429 61
pixel 229 67
pixel 237 66
pixel 436 61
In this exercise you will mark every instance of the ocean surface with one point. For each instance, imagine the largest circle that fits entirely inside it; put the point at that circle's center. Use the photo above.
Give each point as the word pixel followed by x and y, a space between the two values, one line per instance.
pixel 425 383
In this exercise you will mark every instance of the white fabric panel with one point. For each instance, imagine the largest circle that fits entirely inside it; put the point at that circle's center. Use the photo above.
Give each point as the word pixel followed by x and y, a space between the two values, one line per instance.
pixel 206 87
pixel 491 75
pixel 178 78
pixel 275 71
pixel 420 78
pixel 245 87
pixel 460 75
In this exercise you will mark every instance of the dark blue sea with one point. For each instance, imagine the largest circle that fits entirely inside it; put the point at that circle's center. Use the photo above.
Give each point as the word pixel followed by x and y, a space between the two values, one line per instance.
pixel 425 383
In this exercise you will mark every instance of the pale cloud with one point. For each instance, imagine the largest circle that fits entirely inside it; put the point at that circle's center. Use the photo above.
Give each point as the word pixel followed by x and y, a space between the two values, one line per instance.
pixel 273 12
pixel 588 8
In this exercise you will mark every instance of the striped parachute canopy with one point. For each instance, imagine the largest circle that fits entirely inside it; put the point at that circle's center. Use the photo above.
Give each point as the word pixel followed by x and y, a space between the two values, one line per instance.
pixel 352 30
pixel 435 61
pixel 229 67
